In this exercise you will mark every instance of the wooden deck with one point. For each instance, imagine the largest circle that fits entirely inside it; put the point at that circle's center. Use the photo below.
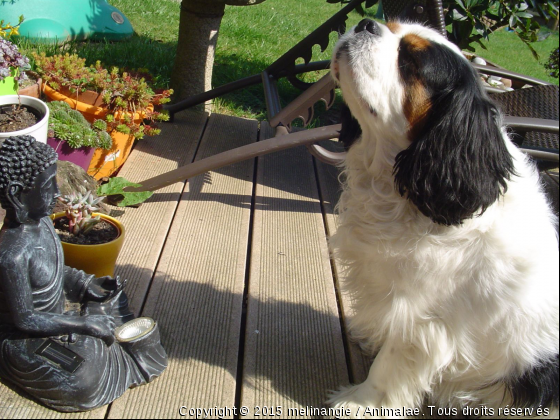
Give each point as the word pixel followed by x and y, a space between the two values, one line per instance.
pixel 234 267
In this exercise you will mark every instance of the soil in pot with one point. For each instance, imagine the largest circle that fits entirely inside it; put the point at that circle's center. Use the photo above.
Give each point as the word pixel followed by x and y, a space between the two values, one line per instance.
pixel 101 233
pixel 15 117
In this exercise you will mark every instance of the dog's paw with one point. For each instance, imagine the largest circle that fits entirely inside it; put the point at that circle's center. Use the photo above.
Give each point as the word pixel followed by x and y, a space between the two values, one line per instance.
pixel 356 402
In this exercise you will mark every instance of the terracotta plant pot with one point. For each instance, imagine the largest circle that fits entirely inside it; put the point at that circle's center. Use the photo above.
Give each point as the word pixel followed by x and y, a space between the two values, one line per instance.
pixel 39 130
pixel 33 90
pixel 98 260
pixel 80 156
pixel 88 110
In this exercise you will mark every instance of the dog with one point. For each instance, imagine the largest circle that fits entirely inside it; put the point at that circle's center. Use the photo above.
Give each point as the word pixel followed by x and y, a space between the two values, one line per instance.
pixel 448 244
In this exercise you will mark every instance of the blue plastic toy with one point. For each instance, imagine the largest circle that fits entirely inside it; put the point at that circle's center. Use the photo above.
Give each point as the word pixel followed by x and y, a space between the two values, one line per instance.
pixel 62 20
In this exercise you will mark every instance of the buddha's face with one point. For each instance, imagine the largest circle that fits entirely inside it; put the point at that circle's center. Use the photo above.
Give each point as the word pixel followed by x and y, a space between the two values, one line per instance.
pixel 41 199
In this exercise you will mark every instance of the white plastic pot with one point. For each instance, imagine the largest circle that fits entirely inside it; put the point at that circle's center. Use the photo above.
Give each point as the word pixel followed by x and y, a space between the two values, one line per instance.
pixel 39 130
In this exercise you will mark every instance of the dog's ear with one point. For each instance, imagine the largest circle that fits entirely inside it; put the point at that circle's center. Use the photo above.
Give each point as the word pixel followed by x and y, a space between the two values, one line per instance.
pixel 457 164
pixel 351 130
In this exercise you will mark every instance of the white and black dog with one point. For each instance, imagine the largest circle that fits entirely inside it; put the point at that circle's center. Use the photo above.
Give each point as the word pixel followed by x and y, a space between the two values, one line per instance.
pixel 449 245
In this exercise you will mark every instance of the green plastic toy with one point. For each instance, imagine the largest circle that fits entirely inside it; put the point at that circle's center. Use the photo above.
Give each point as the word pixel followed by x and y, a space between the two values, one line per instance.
pixel 62 20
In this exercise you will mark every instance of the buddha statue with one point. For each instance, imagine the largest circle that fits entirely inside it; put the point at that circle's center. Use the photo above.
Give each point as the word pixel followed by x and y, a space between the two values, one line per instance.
pixel 57 324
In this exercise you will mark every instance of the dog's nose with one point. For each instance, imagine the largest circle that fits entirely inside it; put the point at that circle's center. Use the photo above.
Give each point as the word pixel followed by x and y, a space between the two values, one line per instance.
pixel 369 25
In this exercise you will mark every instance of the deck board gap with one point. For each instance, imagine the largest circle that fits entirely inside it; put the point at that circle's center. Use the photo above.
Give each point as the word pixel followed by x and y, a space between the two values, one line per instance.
pixel 335 278
pixel 243 326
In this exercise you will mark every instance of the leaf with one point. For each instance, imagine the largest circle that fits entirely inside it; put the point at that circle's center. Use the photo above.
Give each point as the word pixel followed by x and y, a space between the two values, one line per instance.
pixel 116 186
pixel 134 198
pixel 458 15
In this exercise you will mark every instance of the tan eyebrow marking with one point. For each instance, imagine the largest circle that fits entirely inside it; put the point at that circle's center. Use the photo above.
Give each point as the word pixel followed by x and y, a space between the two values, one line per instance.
pixel 415 43
pixel 393 26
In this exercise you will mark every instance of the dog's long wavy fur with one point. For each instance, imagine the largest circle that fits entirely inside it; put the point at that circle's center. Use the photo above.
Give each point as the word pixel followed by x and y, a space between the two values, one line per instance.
pixel 448 243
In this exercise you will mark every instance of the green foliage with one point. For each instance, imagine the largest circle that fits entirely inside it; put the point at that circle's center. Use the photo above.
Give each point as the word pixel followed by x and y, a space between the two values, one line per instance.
pixel 474 20
pixel 470 21
pixel 124 93
pixel 7 30
pixel 116 186
pixel 70 125
pixel 552 63
pixel 507 50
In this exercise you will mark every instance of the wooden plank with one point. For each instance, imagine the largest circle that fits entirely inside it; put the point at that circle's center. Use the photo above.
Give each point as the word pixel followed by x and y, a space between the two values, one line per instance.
pixel 330 191
pixel 294 350
pixel 147 226
pixel 196 296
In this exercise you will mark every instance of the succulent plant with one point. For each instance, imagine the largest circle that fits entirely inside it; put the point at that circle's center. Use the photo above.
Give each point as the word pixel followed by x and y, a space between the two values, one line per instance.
pixel 124 93
pixel 70 125
pixel 79 209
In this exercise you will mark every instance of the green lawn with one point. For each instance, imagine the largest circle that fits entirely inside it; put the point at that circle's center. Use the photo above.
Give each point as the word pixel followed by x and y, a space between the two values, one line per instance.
pixel 250 39
pixel 507 50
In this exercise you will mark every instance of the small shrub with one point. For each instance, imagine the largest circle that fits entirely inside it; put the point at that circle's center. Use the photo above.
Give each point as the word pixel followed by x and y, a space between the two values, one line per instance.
pixel 552 64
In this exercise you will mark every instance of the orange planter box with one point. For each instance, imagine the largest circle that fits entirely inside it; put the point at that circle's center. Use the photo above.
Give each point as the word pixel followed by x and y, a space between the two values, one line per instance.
pixel 104 162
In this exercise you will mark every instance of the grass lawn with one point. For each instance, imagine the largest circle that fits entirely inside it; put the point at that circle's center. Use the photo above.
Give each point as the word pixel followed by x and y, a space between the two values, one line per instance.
pixel 507 50
pixel 250 39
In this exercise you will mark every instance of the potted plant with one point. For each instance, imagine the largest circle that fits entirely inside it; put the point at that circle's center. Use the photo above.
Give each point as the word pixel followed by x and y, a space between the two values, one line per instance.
pixel 73 137
pixel 124 100
pixel 30 83
pixel 12 64
pixel 19 115
pixel 91 241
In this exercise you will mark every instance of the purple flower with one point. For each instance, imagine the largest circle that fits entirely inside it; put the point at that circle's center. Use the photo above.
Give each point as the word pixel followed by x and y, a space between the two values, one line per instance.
pixel 10 57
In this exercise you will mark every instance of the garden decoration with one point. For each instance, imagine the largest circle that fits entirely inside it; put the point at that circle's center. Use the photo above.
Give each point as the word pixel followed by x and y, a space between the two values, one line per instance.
pixel 71 361
pixel 62 20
